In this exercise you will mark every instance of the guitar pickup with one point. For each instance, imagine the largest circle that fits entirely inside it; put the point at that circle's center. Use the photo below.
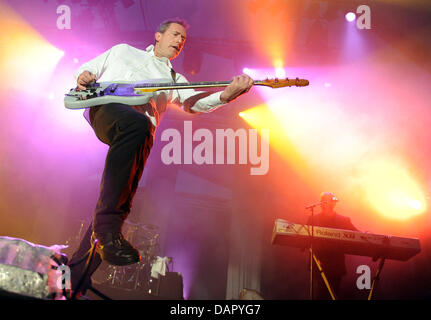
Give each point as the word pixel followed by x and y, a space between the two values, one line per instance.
pixel 92 86
pixel 112 88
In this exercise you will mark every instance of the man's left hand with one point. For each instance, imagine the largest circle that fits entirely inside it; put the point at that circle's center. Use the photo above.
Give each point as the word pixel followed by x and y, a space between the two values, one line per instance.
pixel 239 85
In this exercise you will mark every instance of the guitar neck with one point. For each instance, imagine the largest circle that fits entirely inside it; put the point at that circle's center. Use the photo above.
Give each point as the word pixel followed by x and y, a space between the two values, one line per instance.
pixel 186 85
pixel 273 83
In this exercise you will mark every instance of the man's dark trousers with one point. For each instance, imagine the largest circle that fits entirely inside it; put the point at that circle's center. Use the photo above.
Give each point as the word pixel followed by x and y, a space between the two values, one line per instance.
pixel 129 134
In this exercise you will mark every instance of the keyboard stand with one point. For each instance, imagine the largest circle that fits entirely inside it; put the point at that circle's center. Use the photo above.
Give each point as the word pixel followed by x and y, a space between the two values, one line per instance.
pixel 314 259
pixel 322 274
pixel 376 278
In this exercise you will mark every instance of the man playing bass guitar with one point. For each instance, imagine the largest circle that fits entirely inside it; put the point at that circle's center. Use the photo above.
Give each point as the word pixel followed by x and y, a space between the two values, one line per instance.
pixel 129 132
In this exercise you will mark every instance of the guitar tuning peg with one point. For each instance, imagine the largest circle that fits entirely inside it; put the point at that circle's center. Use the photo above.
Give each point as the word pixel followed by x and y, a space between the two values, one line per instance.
pixel 276 80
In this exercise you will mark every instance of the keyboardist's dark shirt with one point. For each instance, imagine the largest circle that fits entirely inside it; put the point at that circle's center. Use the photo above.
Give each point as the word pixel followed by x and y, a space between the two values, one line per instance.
pixel 333 262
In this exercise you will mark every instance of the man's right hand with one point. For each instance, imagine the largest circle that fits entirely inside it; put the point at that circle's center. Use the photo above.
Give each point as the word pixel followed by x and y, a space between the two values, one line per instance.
pixel 85 78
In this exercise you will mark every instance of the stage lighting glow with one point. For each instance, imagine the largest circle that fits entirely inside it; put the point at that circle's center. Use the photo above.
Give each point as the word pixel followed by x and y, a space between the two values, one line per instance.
pixel 26 57
pixel 332 143
pixel 29 60
pixel 250 72
pixel 279 70
pixel 416 204
pixel 274 29
pixel 278 63
pixel 391 190
pixel 261 117
pixel 280 73
pixel 75 60
pixel 350 16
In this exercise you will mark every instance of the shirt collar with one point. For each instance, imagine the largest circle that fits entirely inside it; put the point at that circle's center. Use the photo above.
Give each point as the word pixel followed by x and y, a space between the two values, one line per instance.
pixel 150 50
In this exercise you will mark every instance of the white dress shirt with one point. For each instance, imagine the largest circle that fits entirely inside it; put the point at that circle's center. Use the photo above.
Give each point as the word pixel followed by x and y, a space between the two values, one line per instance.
pixel 126 63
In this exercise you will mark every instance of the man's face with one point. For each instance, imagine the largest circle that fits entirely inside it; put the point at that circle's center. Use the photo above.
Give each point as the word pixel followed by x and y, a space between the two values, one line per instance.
pixel 328 206
pixel 170 43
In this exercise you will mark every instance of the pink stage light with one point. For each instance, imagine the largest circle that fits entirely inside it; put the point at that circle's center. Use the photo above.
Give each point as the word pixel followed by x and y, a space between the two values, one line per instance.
pixel 350 16
pixel 253 73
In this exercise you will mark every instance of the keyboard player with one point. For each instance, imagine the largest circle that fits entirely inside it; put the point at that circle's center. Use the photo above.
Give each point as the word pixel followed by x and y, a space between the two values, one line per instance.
pixel 332 261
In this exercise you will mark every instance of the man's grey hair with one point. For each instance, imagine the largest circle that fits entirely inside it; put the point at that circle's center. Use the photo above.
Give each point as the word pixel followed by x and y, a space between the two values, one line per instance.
pixel 165 24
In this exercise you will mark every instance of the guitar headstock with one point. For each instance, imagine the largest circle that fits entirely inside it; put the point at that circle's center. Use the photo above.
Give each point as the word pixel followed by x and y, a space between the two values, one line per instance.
pixel 280 83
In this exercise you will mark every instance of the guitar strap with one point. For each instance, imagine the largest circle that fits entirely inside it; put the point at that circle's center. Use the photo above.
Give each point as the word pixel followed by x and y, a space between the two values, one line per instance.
pixel 173 75
pixel 162 99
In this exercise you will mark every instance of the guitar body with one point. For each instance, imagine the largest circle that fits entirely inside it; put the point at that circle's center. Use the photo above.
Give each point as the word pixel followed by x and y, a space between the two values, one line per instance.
pixel 138 93
pixel 108 92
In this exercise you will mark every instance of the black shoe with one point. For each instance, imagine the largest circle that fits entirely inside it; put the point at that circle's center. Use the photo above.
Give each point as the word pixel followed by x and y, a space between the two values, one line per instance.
pixel 114 249
pixel 81 296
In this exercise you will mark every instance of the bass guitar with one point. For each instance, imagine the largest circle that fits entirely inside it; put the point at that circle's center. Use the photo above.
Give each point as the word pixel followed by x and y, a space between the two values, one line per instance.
pixel 138 93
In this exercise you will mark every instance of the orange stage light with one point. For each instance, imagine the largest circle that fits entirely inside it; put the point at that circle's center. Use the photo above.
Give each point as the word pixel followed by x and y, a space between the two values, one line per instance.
pixel 391 190
pixel 270 26
pixel 321 155
pixel 25 56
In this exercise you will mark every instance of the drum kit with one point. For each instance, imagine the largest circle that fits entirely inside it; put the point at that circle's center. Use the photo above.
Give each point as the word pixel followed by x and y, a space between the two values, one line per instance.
pixel 145 238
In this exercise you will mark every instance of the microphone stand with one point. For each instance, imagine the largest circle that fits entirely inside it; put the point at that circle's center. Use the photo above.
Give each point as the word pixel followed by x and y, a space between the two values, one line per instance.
pixel 311 253
pixel 311 207
pixel 312 257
